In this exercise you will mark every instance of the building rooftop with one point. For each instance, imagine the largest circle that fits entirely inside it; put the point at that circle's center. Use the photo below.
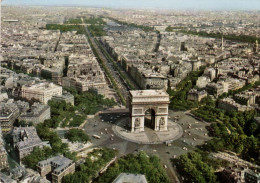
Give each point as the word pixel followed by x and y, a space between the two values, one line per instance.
pixel 148 93
pixel 29 137
pixel 130 178
pixel 59 163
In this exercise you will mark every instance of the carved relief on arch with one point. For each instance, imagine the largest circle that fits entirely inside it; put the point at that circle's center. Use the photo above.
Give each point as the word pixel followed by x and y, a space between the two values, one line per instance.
pixel 162 121
pixel 137 122
pixel 138 111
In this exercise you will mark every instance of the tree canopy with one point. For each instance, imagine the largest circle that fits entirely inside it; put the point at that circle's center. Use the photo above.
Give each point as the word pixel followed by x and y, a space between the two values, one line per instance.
pixel 141 164
pixel 77 135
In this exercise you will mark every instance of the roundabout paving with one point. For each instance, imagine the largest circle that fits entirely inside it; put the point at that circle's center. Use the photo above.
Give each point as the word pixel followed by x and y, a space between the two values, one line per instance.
pixel 149 136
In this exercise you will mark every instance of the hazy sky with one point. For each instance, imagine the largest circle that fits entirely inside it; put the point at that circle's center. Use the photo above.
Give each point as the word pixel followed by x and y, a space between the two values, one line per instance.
pixel 161 4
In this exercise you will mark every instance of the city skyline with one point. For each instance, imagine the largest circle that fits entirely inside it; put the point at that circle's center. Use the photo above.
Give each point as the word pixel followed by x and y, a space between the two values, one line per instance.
pixel 148 4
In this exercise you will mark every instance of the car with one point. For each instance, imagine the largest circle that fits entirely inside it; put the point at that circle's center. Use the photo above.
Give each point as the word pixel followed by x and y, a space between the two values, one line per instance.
pixel 96 136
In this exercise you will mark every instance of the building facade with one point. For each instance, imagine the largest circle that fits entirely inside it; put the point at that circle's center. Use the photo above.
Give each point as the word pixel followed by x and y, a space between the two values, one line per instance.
pixel 42 92
pixel 25 139
pixel 37 114
pixel 9 112
pixel 58 166
pixel 3 154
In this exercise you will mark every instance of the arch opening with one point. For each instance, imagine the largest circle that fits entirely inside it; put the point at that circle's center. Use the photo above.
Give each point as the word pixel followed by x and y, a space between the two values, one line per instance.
pixel 149 118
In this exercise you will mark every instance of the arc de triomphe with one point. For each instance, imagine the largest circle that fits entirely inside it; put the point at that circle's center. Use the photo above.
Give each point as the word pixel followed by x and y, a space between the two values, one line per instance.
pixel 154 101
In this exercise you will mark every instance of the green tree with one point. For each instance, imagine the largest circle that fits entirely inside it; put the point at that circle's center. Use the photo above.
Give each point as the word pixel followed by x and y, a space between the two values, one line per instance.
pixel 76 135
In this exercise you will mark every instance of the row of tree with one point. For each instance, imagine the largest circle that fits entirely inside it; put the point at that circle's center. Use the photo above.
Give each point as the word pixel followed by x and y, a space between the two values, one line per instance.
pixel 74 21
pixel 66 28
pixel 96 26
pixel 116 67
pixel 143 27
pixel 95 20
pixel 171 29
pixel 107 72
pixel 198 167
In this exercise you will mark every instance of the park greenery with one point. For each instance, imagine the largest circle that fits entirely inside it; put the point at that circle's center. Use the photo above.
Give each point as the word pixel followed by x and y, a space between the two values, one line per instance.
pixel 232 130
pixel 76 135
pixel 57 147
pixel 65 28
pixel 90 102
pixel 87 103
pixel 95 161
pixel 178 97
pixel 232 37
pixel 63 114
pixel 94 20
pixel 142 27
pixel 198 167
pixel 96 26
pixel 97 30
pixel 74 21
pixel 171 29
pixel 136 164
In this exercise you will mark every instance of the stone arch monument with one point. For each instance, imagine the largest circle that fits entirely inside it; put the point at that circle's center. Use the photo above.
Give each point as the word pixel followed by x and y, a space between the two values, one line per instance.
pixel 156 101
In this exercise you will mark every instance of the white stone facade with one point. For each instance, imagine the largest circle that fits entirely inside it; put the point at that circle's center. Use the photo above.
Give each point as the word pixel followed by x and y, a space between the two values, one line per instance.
pixel 143 100
pixel 41 91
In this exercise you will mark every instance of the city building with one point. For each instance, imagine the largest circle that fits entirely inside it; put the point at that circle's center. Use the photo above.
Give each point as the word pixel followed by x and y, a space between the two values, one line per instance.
pixel 217 89
pixel 251 176
pixel 3 154
pixel 195 95
pixel 25 139
pixel 36 114
pixel 6 179
pixel 58 166
pixel 66 96
pixel 9 112
pixel 229 104
pixel 131 178
pixel 42 92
